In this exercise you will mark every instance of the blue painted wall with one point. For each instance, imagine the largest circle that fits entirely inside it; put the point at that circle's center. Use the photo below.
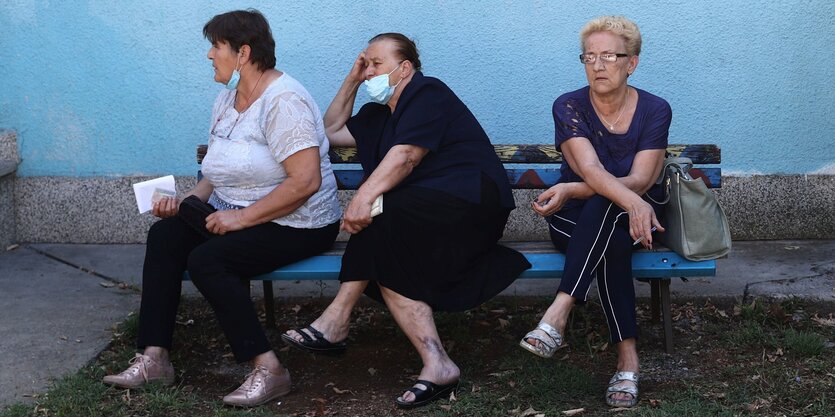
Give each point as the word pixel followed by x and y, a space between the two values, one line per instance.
pixel 104 88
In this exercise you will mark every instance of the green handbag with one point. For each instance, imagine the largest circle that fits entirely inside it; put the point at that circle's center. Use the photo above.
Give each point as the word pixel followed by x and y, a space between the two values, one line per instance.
pixel 696 228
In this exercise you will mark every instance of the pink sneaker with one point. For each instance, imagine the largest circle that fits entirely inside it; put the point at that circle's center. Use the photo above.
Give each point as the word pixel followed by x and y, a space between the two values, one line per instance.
pixel 143 370
pixel 260 386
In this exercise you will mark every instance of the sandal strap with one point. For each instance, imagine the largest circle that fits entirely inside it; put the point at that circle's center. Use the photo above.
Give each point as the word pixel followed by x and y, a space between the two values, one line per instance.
pixel 303 333
pixel 630 389
pixel 620 377
pixel 317 334
pixel 415 390
pixel 553 334
pixel 624 376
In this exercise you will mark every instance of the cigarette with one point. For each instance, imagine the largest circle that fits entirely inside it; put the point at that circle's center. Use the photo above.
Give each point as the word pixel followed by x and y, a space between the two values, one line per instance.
pixel 542 203
pixel 641 239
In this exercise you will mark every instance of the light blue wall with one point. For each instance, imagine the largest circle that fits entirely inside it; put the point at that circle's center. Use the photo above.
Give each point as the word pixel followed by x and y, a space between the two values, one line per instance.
pixel 108 88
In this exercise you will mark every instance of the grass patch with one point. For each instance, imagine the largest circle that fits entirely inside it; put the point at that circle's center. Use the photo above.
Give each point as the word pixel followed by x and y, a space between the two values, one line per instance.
pixel 803 344
pixel 687 404
pixel 160 400
pixel 754 311
pixel 17 410
pixel 75 395
pixel 750 334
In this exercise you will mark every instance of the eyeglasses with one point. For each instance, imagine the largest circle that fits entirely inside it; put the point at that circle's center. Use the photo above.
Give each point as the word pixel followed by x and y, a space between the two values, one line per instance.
pixel 235 123
pixel 591 58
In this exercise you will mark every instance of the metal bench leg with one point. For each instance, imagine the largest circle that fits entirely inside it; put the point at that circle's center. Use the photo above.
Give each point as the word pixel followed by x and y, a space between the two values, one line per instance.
pixel 665 311
pixel 269 304
pixel 654 302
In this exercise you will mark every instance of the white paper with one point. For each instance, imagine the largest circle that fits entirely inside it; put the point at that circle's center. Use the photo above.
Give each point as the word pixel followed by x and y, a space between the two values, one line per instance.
pixel 144 191
pixel 377 206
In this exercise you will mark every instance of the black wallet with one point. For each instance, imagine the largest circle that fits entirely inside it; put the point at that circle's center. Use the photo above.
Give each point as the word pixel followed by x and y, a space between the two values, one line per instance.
pixel 193 212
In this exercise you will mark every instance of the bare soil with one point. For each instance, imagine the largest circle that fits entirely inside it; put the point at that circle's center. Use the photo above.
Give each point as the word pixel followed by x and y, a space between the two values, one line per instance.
pixel 715 361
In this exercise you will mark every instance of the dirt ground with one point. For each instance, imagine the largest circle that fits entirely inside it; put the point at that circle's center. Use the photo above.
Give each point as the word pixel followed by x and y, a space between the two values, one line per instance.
pixel 498 377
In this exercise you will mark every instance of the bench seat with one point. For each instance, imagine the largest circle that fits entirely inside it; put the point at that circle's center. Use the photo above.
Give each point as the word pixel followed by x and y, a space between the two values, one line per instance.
pixel 546 263
pixel 528 167
pixel 656 267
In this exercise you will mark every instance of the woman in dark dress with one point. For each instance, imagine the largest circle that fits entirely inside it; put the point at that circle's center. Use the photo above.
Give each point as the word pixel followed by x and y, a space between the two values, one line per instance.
pixel 446 200
pixel 613 137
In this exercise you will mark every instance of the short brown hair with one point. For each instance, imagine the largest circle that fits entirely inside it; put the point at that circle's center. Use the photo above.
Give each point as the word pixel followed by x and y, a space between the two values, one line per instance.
pixel 244 27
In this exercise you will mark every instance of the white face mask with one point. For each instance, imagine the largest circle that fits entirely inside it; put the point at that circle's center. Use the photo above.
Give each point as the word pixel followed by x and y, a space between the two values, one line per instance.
pixel 378 88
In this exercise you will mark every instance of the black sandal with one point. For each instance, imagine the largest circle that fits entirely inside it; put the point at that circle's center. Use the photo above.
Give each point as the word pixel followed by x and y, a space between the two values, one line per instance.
pixel 425 396
pixel 315 344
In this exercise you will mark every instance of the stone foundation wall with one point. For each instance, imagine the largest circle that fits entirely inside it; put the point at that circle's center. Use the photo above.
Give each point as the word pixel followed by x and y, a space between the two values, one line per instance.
pixel 103 210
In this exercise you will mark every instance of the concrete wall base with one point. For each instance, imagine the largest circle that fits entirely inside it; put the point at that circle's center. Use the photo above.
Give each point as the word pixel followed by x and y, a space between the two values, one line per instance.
pixel 103 210
pixel 8 233
pixel 9 159
pixel 770 207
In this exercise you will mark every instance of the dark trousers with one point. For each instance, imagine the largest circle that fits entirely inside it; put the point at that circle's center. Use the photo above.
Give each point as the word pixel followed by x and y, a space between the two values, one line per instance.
pixel 595 240
pixel 220 268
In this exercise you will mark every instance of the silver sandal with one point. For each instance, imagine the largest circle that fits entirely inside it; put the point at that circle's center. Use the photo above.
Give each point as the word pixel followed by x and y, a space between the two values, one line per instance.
pixel 618 378
pixel 547 345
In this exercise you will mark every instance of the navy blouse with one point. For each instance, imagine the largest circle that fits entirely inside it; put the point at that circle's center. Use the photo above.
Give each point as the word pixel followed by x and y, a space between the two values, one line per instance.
pixel 574 116
pixel 429 115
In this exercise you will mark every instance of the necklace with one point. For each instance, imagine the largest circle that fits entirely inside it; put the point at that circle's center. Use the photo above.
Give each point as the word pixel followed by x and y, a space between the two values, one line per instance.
pixel 622 108
pixel 250 92
pixel 238 117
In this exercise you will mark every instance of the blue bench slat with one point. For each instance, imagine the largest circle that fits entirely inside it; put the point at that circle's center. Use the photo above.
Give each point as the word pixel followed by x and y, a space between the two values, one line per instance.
pixel 322 267
pixel 544 265
pixel 644 265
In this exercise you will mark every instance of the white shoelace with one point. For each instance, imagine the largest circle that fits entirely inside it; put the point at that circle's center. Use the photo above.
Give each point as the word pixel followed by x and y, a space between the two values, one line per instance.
pixel 139 363
pixel 255 379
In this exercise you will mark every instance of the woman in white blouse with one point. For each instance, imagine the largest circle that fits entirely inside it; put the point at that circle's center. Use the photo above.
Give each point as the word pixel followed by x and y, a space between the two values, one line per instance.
pixel 268 176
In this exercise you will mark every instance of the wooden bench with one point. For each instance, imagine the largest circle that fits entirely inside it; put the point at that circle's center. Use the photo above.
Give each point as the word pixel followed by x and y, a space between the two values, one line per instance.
pixel 528 167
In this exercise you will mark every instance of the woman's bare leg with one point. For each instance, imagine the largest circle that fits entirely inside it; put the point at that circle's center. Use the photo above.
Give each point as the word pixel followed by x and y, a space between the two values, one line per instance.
pixel 556 315
pixel 416 321
pixel 335 321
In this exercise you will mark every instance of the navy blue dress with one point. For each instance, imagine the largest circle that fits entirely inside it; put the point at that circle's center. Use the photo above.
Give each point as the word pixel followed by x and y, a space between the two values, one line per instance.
pixel 436 240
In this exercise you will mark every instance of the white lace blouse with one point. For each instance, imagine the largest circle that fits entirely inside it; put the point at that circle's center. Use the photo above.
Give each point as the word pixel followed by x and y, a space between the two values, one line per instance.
pixel 246 150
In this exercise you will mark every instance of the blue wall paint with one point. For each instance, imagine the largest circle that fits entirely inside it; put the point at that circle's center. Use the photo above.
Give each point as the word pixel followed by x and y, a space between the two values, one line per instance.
pixel 97 88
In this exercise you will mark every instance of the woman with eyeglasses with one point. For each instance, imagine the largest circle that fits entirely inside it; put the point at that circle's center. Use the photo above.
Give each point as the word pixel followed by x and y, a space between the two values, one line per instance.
pixel 613 138
pixel 268 180
pixel 445 202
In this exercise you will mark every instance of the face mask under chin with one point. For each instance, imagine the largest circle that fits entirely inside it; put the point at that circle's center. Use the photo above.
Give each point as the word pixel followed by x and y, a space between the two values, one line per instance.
pixel 235 78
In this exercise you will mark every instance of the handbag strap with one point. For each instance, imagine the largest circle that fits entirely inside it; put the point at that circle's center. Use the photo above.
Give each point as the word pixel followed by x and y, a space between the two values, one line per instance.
pixel 666 194
pixel 676 163
pixel 672 165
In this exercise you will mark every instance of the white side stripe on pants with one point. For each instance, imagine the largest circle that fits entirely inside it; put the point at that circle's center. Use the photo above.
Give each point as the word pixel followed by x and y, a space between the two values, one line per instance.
pixel 596 238
pixel 606 280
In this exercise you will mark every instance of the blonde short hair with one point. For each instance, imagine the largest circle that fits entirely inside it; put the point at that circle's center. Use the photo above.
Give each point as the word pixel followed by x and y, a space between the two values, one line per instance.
pixel 618 25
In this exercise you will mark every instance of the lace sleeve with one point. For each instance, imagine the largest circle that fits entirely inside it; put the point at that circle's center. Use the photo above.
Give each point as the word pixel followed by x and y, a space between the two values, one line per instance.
pixel 290 126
